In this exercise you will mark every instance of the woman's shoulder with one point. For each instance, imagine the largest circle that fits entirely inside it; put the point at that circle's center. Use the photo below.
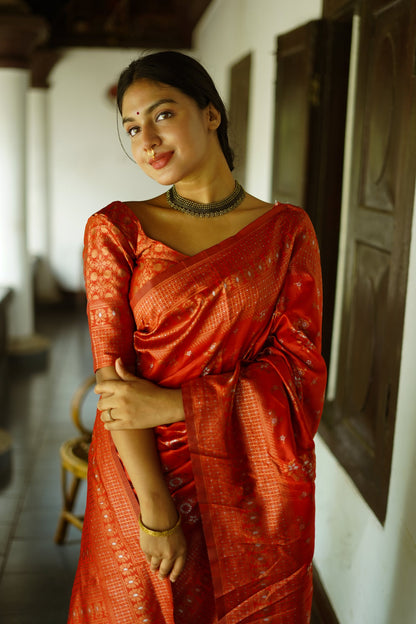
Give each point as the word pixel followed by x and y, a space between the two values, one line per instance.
pixel 294 225
pixel 287 222
pixel 294 215
pixel 124 219
pixel 126 213
pixel 279 214
pixel 139 206
pixel 116 220
pixel 273 208
pixel 123 206
pixel 115 212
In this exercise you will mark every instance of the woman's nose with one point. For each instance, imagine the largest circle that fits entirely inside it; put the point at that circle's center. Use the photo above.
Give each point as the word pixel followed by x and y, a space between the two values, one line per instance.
pixel 149 137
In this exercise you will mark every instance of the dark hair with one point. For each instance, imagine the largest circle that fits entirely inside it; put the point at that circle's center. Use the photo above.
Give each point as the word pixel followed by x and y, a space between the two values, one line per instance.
pixel 186 74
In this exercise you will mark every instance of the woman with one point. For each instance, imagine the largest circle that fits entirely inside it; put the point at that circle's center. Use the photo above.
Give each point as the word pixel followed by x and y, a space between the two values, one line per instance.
pixel 206 343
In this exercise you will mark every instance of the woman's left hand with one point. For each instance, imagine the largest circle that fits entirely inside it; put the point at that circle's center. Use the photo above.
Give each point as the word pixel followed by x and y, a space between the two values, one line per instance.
pixel 134 403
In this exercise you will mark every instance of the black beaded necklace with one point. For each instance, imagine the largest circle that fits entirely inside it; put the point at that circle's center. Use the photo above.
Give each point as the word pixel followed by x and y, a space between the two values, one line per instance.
pixel 213 209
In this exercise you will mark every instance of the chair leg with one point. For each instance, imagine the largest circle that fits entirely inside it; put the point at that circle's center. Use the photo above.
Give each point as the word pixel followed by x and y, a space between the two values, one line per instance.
pixel 69 496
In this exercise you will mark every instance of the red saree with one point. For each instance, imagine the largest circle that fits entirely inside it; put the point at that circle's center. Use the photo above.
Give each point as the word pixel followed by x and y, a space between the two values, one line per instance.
pixel 238 328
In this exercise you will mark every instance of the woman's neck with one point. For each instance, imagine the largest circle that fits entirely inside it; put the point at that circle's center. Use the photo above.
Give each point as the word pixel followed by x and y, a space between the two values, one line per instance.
pixel 207 188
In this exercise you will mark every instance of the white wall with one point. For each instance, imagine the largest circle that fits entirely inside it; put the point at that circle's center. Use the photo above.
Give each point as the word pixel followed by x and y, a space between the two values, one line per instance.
pixel 370 570
pixel 88 167
pixel 231 29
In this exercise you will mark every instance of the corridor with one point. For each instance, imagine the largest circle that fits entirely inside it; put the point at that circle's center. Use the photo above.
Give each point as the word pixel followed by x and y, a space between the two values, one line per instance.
pixel 36 574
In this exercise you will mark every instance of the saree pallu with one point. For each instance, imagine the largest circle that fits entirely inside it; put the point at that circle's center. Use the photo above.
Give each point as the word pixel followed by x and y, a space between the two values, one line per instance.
pixel 237 327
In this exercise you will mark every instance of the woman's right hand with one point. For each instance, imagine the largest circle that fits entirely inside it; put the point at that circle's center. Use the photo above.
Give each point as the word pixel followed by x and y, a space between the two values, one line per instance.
pixel 165 554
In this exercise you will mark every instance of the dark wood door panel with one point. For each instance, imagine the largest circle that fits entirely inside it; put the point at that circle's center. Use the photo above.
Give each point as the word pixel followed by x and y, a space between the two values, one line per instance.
pixel 239 114
pixel 311 93
pixel 383 116
pixel 368 329
pixel 374 226
pixel 296 56
pixel 359 424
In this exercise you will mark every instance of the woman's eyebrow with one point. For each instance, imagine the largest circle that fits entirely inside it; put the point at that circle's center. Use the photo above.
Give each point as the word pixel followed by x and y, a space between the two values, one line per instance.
pixel 151 108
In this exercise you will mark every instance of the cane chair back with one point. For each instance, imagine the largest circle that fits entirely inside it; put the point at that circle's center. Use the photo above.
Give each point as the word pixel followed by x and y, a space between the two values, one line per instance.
pixel 74 463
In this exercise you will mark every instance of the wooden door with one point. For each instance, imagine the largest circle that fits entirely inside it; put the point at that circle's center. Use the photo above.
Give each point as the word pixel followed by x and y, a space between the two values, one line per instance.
pixel 311 94
pixel 296 90
pixel 383 179
pixel 239 114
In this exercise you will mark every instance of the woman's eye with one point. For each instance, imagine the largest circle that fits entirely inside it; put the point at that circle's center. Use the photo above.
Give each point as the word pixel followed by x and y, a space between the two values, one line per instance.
pixel 164 115
pixel 133 131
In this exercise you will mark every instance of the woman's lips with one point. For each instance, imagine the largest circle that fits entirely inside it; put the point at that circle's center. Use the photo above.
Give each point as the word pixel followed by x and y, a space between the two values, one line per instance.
pixel 161 160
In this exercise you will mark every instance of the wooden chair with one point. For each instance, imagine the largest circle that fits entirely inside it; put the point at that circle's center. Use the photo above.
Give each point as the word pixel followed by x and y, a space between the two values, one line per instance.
pixel 74 460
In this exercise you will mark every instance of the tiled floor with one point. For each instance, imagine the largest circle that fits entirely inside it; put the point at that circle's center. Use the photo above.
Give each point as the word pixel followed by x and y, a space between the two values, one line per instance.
pixel 36 574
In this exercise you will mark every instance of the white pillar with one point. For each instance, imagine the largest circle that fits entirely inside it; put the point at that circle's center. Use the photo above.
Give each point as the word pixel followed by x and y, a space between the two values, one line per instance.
pixel 14 260
pixel 20 33
pixel 38 206
pixel 37 167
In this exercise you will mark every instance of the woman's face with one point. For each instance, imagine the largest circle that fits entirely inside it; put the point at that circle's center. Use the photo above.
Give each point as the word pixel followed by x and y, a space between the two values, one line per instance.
pixel 172 139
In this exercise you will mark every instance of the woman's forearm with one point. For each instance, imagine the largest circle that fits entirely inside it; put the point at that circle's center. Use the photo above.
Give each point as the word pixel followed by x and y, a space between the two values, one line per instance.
pixel 137 450
pixel 130 402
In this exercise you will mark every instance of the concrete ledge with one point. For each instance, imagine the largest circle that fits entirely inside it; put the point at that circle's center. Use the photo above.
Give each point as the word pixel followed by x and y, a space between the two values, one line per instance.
pixel 29 353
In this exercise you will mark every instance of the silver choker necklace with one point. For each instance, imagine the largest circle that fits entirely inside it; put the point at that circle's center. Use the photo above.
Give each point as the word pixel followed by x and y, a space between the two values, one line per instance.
pixel 213 209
